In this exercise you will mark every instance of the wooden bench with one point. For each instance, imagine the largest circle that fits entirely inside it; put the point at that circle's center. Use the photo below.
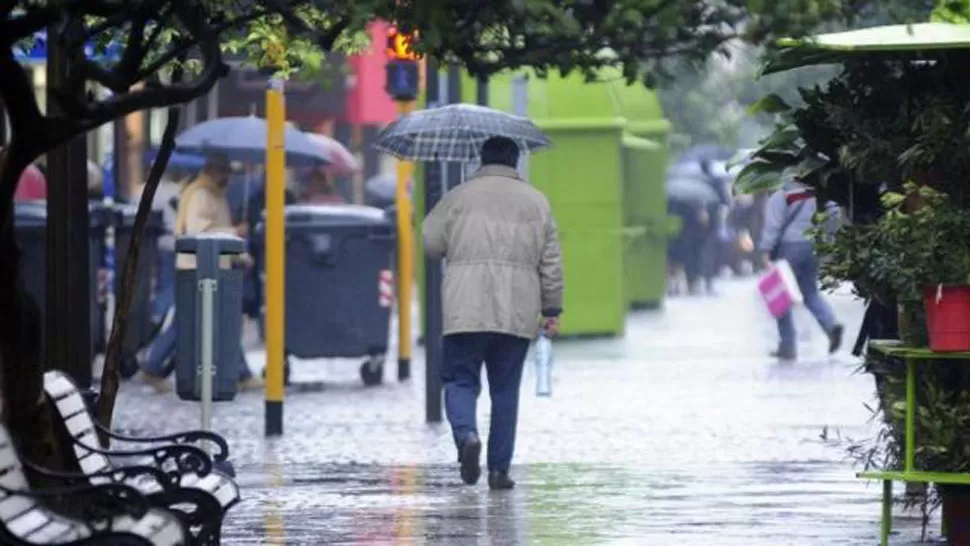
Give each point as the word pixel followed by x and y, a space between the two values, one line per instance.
pixel 909 473
pixel 111 514
pixel 188 469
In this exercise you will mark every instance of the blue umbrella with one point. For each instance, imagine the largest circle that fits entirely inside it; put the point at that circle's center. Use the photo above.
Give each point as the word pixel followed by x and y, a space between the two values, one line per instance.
pixel 186 161
pixel 244 139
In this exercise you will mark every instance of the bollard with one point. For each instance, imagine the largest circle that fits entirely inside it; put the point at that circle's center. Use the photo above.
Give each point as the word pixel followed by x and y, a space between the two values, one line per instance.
pixel 208 345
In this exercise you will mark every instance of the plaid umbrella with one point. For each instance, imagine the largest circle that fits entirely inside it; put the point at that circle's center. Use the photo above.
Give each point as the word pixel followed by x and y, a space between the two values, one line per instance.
pixel 455 133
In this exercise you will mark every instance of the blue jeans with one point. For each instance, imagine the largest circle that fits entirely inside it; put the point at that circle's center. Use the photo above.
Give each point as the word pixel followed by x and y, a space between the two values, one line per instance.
pixel 801 257
pixel 161 353
pixel 165 287
pixel 504 357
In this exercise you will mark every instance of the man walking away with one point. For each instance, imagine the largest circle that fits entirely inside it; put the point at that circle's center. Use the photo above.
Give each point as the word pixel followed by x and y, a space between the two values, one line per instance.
pixel 788 217
pixel 504 270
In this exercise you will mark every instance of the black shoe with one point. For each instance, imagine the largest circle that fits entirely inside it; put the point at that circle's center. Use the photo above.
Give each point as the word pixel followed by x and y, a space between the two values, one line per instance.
pixel 835 338
pixel 500 481
pixel 785 356
pixel 471 451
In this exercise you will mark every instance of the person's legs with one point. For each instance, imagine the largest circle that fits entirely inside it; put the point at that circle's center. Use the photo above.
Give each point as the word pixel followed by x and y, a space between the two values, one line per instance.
pixel 165 289
pixel 786 334
pixel 461 377
pixel 158 359
pixel 504 362
pixel 806 272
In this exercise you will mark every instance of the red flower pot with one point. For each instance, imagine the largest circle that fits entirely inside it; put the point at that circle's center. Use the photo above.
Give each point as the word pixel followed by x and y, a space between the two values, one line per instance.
pixel 948 318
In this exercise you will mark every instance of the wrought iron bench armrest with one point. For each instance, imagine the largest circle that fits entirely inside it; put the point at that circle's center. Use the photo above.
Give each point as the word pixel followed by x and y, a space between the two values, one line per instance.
pixel 188 437
pixel 100 502
pixel 188 459
pixel 117 475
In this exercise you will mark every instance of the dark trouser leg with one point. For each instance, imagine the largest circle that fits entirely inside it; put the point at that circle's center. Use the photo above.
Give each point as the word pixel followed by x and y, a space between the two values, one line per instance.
pixel 504 362
pixel 463 357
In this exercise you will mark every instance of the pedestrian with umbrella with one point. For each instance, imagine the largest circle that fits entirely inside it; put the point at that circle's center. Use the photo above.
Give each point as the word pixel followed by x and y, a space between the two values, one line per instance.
pixel 243 139
pixel 503 278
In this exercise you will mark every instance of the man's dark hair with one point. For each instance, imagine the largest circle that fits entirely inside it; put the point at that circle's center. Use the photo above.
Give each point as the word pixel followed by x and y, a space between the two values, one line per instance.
pixel 500 151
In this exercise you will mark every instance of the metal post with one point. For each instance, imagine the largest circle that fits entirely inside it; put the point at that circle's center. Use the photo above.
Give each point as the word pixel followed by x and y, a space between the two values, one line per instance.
pixel 207 290
pixel 275 256
pixel 432 274
pixel 520 107
pixel 481 91
pixel 67 346
pixel 405 259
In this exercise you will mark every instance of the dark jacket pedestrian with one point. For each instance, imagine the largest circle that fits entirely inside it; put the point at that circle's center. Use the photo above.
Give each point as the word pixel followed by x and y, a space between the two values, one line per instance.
pixel 504 271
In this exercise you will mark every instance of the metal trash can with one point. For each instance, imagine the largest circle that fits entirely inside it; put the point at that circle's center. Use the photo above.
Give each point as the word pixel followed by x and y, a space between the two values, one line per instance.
pixel 339 284
pixel 140 326
pixel 30 223
pixel 214 274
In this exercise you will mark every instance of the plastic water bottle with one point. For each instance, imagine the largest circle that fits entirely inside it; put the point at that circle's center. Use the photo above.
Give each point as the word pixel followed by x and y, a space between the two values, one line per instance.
pixel 543 356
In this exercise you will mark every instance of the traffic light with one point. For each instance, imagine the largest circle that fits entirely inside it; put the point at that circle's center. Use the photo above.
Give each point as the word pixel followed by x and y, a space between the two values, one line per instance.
pixel 403 80
pixel 403 76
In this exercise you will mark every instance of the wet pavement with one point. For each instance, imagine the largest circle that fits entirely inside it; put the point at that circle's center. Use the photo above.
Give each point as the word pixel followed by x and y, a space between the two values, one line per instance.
pixel 683 432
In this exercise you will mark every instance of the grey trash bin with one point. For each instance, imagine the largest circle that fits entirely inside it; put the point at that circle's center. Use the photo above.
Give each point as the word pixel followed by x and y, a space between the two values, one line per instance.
pixel 30 226
pixel 335 258
pixel 213 252
pixel 140 313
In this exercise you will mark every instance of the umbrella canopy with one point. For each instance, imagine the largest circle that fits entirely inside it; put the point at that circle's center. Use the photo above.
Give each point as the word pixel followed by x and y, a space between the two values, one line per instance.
pixel 340 162
pixel 179 160
pixel 890 40
pixel 455 133
pixel 691 190
pixel 244 139
pixel 708 152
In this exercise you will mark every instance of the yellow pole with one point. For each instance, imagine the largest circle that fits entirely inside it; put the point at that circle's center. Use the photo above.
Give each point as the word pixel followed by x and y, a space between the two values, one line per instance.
pixel 275 255
pixel 405 259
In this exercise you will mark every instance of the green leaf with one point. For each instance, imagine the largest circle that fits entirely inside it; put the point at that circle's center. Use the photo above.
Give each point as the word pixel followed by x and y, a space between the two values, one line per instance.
pixel 769 104
pixel 758 176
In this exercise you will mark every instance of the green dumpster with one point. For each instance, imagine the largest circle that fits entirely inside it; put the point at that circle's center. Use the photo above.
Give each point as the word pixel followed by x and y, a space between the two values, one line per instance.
pixel 645 203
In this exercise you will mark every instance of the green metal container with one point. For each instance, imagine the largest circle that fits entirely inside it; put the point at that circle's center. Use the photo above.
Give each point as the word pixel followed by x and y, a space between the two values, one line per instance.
pixel 645 195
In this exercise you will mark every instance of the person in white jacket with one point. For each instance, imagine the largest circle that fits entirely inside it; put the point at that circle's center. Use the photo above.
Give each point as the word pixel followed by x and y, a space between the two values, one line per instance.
pixel 789 215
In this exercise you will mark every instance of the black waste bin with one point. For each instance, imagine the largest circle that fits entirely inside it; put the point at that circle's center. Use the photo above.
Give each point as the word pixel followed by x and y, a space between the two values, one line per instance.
pixel 140 326
pixel 337 258
pixel 30 222
pixel 227 316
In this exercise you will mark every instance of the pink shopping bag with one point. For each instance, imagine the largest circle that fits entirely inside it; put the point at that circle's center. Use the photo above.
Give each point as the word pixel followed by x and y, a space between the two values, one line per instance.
pixel 779 289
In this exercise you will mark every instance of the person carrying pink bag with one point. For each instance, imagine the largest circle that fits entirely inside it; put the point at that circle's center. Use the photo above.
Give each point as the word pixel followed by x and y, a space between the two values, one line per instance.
pixel 788 217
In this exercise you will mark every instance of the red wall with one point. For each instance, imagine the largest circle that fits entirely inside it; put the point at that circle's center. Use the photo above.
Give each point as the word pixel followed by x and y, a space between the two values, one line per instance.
pixel 367 102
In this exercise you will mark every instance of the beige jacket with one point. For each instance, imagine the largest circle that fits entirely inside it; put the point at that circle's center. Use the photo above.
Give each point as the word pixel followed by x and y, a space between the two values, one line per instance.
pixel 202 209
pixel 501 249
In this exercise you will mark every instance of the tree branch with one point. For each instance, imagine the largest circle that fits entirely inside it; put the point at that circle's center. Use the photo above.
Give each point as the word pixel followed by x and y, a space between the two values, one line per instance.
pixel 112 359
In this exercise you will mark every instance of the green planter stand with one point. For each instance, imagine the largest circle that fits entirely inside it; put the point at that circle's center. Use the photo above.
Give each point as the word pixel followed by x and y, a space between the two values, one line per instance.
pixel 909 474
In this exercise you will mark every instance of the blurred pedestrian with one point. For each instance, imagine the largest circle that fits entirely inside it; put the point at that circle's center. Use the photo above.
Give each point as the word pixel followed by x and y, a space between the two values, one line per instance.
pixel 254 215
pixel 789 215
pixel 321 190
pixel 202 209
pixel 504 270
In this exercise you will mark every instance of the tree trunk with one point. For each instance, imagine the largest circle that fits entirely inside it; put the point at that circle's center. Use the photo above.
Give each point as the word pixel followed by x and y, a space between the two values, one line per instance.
pixel 110 376
pixel 25 411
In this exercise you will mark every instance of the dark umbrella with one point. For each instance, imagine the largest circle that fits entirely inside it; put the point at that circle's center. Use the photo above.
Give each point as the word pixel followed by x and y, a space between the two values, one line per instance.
pixel 455 133
pixel 244 139
pixel 706 152
pixel 692 190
